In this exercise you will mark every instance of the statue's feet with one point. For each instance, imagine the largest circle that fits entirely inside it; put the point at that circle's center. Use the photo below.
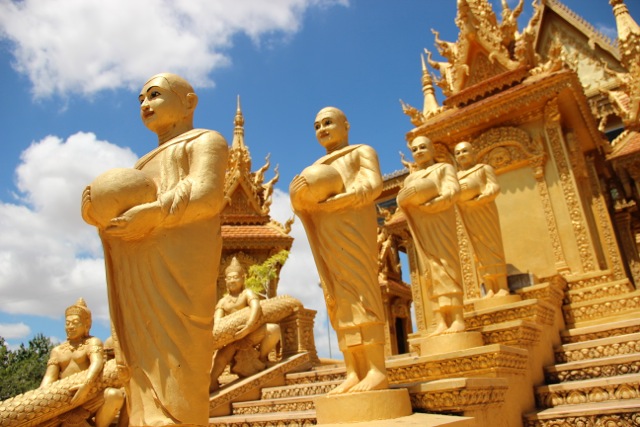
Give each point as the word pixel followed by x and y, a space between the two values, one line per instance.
pixel 440 329
pixel 374 380
pixel 350 382
pixel 489 293
pixel 502 293
pixel 456 326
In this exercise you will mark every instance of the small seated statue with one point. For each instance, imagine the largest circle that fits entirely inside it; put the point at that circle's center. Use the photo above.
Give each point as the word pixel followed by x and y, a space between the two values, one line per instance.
pixel 253 341
pixel 82 353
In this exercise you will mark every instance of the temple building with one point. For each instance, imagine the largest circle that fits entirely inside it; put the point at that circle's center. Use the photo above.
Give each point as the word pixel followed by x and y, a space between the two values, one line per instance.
pixel 553 108
pixel 248 231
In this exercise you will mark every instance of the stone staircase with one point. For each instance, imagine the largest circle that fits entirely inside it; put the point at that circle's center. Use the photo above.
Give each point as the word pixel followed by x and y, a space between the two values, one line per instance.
pixel 292 404
pixel 288 405
pixel 535 369
pixel 595 381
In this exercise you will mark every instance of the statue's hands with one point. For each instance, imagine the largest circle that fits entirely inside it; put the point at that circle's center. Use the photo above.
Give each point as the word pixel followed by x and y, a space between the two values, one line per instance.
pixel 298 183
pixel 439 203
pixel 298 189
pixel 406 193
pixel 87 207
pixel 82 392
pixel 135 223
pixel 242 332
pixel 480 199
pixel 338 201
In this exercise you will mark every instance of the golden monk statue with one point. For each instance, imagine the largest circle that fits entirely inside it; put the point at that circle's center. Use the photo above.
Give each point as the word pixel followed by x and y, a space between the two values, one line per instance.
pixel 82 353
pixel 334 198
pixel 160 229
pixel 254 333
pixel 479 189
pixel 428 200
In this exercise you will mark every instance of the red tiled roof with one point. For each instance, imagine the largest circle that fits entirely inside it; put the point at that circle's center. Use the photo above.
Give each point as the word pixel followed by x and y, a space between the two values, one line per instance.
pixel 252 231
pixel 626 145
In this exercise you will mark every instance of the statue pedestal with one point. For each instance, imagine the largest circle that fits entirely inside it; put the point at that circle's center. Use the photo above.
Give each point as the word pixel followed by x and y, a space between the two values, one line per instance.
pixel 447 343
pixel 363 406
pixel 495 301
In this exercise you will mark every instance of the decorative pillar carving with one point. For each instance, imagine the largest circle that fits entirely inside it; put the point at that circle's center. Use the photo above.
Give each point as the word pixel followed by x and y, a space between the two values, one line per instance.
pixel 609 242
pixel 422 318
pixel 628 242
pixel 558 254
pixel 297 334
pixel 557 150
pixel 470 282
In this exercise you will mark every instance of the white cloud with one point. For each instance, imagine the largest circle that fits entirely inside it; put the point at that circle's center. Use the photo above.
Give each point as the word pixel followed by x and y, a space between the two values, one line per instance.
pixel 48 256
pixel 84 46
pixel 14 330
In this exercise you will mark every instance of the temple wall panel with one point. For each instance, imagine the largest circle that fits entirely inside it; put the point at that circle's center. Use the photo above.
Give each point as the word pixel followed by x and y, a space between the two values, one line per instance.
pixel 522 207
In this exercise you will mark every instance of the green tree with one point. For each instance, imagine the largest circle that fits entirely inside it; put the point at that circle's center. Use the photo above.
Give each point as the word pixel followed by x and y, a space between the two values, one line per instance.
pixel 22 369
pixel 262 275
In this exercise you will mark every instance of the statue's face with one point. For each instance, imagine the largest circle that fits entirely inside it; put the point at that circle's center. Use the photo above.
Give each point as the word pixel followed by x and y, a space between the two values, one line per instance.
pixel 235 281
pixel 331 128
pixel 75 327
pixel 422 150
pixel 464 155
pixel 160 107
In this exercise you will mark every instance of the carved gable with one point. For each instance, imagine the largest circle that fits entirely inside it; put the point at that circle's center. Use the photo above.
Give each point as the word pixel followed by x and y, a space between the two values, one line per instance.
pixel 248 231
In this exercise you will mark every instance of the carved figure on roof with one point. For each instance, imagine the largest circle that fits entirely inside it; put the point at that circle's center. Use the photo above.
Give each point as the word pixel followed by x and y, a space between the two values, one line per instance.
pixel 447 49
pixel 83 353
pixel 335 198
pixel 428 200
pixel 478 190
pixel 451 77
pixel 509 24
pixel 524 50
pixel 387 257
pixel 253 340
pixel 416 116
pixel 162 256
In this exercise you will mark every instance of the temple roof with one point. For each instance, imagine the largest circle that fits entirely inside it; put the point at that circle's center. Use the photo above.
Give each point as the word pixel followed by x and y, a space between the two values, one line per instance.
pixel 246 222
pixel 394 287
pixel 626 144
pixel 576 21
pixel 256 236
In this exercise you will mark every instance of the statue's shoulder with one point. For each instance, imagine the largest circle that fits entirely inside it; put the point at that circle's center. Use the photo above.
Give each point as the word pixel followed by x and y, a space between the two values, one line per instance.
pixel 93 341
pixel 365 149
pixel 208 136
pixel 249 294
pixel 222 301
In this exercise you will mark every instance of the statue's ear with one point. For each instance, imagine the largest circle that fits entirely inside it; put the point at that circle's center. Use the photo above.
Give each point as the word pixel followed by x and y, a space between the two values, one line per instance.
pixel 192 101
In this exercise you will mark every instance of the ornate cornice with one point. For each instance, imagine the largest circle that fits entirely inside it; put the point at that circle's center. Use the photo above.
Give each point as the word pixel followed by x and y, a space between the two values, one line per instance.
pixel 518 104
pixel 491 360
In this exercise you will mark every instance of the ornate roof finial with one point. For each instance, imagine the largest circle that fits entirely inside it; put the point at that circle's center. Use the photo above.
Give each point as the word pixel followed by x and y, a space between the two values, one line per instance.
pixel 430 101
pixel 629 46
pixel 625 22
pixel 238 131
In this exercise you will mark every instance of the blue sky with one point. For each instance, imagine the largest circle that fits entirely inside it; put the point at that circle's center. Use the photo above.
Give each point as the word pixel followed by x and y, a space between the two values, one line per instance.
pixel 71 72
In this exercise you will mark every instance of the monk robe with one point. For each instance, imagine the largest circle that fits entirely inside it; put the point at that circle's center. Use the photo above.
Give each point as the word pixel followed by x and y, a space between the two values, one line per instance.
pixel 344 247
pixel 162 287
